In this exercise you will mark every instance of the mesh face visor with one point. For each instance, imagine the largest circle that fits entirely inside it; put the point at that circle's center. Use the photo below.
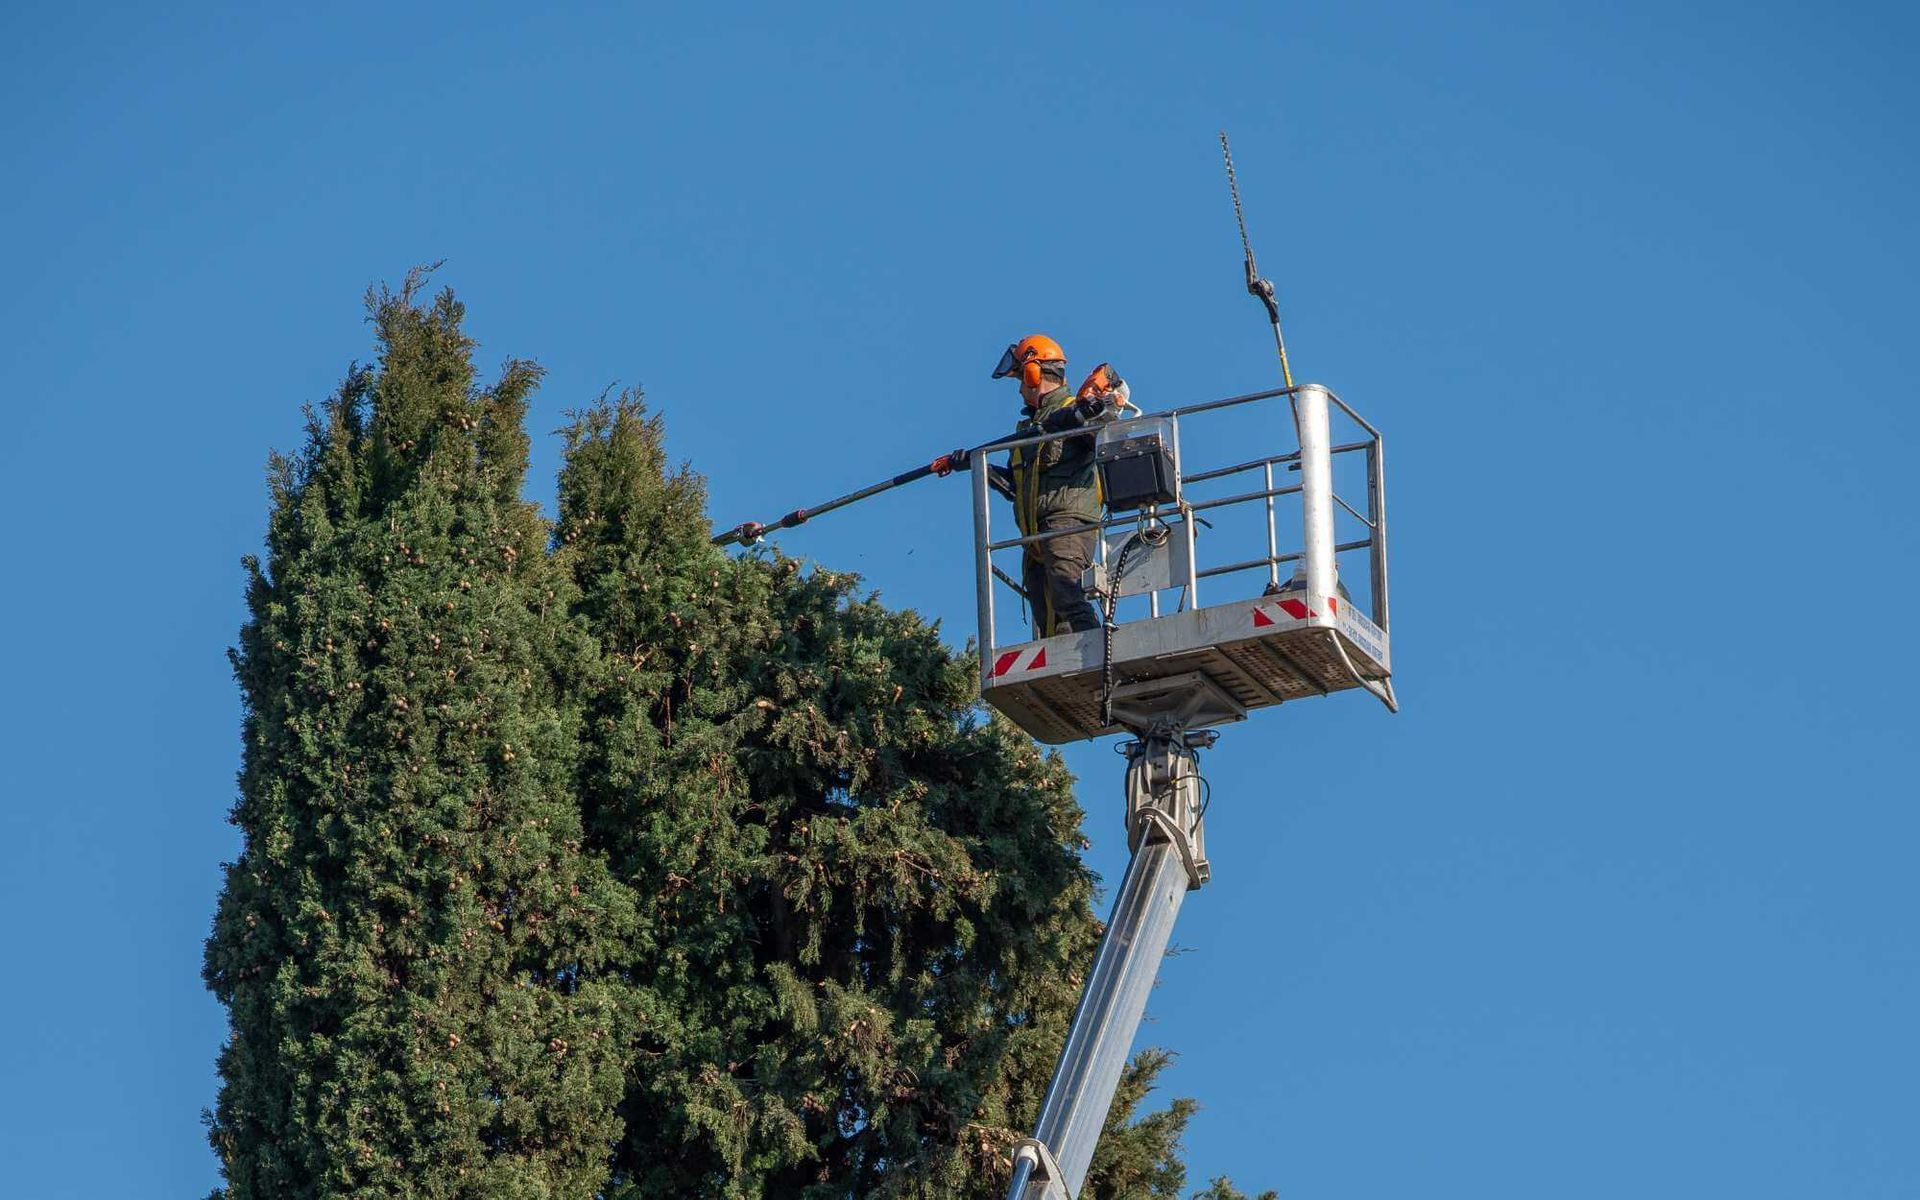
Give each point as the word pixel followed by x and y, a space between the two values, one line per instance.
pixel 1011 362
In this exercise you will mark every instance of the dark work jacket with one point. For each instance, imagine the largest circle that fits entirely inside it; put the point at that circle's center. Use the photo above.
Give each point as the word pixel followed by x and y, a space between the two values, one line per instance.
pixel 1054 479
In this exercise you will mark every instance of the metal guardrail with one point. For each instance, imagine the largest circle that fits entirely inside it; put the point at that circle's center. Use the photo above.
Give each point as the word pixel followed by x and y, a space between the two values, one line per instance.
pixel 1309 405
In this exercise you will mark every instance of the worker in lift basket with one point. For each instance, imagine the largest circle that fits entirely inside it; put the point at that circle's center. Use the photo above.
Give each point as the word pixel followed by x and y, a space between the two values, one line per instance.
pixel 1053 485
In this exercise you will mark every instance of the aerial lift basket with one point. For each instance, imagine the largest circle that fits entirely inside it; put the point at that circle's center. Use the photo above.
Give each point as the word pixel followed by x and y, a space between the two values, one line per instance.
pixel 1301 636
pixel 1168 677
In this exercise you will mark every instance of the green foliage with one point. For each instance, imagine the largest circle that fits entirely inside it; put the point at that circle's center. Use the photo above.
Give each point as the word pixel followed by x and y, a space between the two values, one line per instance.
pixel 412 944
pixel 1141 1158
pixel 591 861
pixel 1222 1189
pixel 859 901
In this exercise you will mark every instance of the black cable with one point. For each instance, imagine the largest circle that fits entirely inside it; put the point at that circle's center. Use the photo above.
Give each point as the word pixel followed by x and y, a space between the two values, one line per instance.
pixel 1206 791
pixel 1111 600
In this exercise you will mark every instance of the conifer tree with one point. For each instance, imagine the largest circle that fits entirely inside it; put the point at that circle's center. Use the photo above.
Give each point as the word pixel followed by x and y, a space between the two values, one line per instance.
pixel 412 944
pixel 595 862
pixel 860 919
pixel 1222 1189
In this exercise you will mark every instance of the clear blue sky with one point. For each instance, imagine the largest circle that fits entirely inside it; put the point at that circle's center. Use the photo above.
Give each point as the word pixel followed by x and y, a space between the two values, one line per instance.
pixel 1622 903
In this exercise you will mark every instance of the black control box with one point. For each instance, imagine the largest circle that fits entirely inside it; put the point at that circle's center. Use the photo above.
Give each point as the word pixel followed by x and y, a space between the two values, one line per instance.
pixel 1136 464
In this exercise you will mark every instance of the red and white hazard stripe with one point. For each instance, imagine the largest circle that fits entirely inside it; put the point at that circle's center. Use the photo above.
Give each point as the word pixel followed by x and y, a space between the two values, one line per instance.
pixel 1271 612
pixel 1020 661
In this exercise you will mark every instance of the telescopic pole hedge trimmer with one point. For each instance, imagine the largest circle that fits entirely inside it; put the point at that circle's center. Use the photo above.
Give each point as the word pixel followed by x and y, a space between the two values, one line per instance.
pixel 1098 389
pixel 1097 385
pixel 749 532
pixel 1260 289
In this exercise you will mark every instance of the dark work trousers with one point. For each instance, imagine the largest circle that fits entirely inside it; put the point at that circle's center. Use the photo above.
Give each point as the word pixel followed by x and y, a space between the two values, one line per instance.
pixel 1051 571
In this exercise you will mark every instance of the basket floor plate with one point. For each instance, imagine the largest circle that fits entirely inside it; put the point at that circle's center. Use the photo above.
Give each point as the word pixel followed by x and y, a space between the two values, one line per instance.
pixel 1261 653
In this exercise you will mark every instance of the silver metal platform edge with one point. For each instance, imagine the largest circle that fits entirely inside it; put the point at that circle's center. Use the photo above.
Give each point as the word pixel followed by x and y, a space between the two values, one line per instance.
pixel 1261 651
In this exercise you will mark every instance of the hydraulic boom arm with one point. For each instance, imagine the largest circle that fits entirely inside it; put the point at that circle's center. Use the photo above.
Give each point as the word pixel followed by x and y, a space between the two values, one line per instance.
pixel 1164 809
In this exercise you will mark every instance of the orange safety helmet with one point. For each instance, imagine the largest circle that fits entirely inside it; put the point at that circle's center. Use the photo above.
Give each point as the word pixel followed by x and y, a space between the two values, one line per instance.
pixel 1026 356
